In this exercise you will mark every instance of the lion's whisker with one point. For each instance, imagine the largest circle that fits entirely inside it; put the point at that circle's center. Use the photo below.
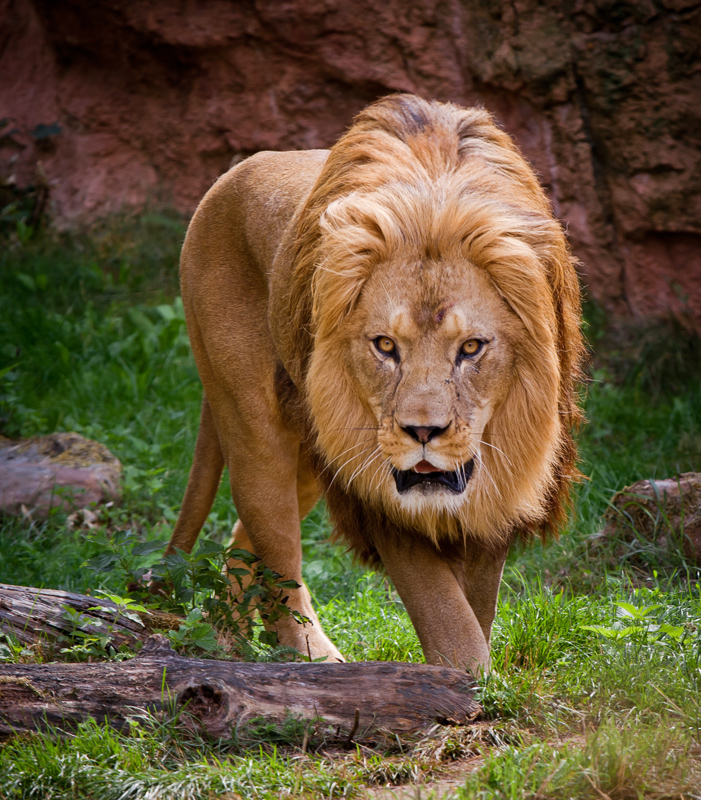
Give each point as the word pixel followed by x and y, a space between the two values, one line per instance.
pixel 364 461
pixel 345 464
pixel 379 470
pixel 463 474
pixel 340 455
pixel 357 429
pixel 494 447
pixel 368 461
pixel 483 467
pixel 369 464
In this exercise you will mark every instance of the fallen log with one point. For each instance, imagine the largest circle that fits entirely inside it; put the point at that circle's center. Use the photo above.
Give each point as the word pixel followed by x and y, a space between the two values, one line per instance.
pixel 359 699
pixel 43 616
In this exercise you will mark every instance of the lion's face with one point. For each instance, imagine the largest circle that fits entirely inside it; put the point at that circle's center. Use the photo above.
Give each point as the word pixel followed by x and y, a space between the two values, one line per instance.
pixel 433 402
pixel 430 348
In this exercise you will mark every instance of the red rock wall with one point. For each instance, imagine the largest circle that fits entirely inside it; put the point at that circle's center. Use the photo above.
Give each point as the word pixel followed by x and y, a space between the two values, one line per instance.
pixel 154 98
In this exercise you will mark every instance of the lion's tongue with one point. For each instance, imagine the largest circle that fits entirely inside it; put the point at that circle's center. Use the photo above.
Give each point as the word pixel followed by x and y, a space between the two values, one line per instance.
pixel 426 466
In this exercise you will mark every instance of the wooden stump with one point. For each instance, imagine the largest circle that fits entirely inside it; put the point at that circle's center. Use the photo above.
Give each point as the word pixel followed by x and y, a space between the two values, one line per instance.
pixel 665 513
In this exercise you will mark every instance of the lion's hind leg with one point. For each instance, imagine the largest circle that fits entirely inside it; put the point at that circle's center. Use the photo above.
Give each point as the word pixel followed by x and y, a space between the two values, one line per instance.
pixel 202 484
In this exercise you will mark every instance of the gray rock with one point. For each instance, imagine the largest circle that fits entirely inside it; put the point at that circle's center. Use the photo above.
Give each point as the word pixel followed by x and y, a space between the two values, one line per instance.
pixel 59 471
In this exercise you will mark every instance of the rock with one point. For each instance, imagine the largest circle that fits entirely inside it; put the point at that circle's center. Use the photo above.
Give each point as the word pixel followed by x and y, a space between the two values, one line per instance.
pixel 665 512
pixel 114 104
pixel 60 471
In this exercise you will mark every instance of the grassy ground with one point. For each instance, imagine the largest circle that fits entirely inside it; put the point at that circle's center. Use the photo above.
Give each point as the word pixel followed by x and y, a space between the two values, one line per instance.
pixel 596 690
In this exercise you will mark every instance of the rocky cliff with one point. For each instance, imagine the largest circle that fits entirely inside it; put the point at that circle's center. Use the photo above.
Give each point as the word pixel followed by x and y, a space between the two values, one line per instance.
pixel 116 104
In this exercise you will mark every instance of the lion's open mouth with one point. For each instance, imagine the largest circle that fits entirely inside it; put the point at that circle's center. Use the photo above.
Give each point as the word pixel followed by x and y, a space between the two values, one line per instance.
pixel 454 481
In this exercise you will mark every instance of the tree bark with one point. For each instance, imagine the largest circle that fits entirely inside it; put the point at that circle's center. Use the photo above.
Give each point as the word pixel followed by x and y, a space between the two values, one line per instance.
pixel 359 698
pixel 38 616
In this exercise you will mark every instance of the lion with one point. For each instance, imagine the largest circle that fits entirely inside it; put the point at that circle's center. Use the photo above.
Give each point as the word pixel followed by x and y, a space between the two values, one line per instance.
pixel 393 324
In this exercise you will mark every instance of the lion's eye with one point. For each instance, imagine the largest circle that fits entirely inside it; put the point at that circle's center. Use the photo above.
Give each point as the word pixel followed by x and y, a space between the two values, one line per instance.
pixel 386 345
pixel 471 347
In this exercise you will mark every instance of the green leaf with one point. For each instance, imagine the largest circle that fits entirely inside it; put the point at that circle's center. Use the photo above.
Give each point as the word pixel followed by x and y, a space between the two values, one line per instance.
pixel 104 562
pixel 268 637
pixel 167 312
pixel 176 559
pixel 673 631
pixel 238 572
pixel 288 584
pixel 194 616
pixel 629 610
pixel 26 280
pixel 242 555
pixel 208 547
pixel 145 548
pixel 204 636
pixel 5 370
pixel 121 538
pixel 609 633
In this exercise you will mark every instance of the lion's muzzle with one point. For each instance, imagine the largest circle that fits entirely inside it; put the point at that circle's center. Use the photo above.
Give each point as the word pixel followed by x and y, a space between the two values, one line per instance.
pixel 455 482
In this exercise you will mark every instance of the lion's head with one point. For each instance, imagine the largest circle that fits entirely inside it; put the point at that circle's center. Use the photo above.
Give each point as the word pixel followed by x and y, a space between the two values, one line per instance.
pixel 437 326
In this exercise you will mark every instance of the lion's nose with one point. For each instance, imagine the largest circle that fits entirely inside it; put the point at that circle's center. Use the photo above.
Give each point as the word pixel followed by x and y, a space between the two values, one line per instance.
pixel 423 434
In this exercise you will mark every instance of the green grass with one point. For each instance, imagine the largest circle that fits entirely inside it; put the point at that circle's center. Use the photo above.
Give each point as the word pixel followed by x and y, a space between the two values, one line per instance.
pixel 157 760
pixel 597 664
pixel 638 762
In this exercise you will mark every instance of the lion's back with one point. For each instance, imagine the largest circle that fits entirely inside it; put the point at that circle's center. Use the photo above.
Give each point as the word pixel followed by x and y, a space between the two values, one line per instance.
pixel 249 208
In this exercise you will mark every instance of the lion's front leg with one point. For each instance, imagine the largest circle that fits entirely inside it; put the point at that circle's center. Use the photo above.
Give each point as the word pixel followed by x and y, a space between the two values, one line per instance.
pixel 453 626
pixel 308 639
pixel 479 574
pixel 273 489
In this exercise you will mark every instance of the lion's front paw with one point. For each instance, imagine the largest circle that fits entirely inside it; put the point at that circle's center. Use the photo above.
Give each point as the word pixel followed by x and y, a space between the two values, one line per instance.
pixel 318 647
pixel 310 641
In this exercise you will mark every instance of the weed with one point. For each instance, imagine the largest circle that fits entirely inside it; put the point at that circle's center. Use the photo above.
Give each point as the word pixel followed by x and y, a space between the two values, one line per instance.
pixel 195 633
pixel 202 585
pixel 123 551
pixel 94 639
pixel 158 761
pixel 14 652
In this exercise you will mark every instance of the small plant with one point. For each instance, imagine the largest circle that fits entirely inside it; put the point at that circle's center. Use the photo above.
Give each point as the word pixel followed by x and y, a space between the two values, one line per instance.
pixel 95 638
pixel 123 551
pixel 637 624
pixel 194 632
pixel 14 652
pixel 228 595
pixel 203 586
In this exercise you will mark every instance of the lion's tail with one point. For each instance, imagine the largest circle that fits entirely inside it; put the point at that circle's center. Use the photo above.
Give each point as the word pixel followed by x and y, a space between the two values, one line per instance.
pixel 202 484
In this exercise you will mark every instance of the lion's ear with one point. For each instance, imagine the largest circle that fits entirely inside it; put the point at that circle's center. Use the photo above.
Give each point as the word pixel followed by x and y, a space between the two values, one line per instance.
pixel 355 234
pixel 358 223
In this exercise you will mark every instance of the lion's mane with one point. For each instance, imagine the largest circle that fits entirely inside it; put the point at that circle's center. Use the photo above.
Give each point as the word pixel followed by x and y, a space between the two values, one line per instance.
pixel 444 181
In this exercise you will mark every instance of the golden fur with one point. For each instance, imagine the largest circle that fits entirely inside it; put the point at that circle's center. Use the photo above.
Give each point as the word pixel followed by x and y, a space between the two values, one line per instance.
pixel 422 226
pixel 438 182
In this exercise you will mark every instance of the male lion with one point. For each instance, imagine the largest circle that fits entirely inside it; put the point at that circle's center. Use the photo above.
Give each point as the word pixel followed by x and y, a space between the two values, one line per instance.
pixel 394 324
